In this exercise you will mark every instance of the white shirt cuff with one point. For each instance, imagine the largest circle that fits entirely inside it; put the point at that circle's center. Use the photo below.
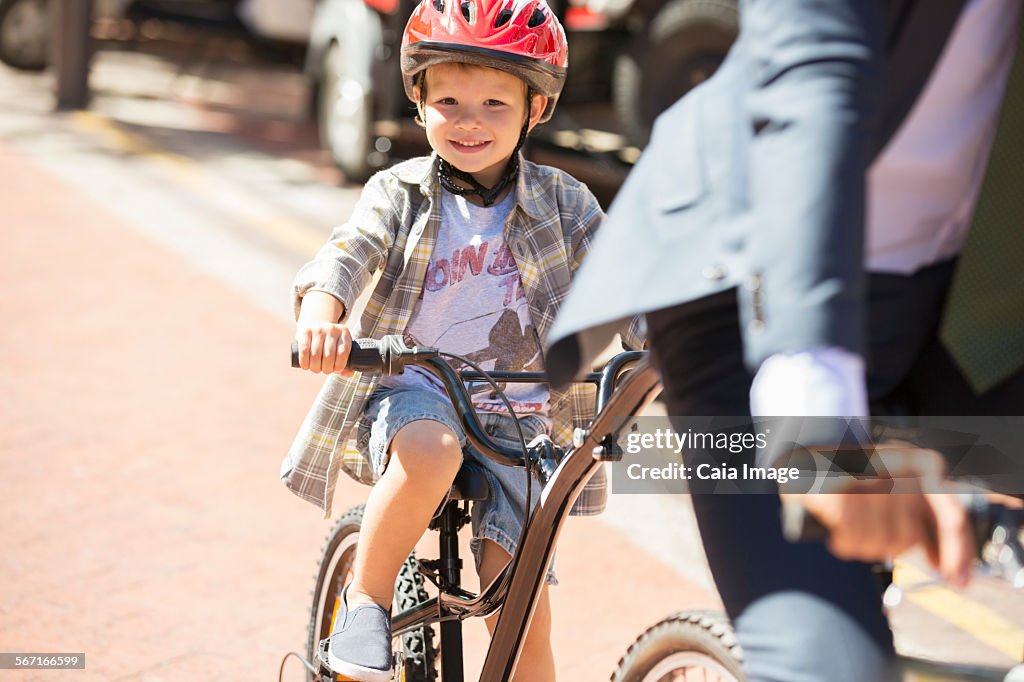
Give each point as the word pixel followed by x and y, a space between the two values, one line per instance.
pixel 818 382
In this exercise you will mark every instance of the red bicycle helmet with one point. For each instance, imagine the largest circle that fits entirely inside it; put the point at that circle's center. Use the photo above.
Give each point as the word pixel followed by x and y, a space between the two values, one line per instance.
pixel 521 37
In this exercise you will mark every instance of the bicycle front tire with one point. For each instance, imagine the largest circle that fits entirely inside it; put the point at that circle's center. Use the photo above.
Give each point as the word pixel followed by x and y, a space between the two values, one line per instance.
pixel 680 644
pixel 335 570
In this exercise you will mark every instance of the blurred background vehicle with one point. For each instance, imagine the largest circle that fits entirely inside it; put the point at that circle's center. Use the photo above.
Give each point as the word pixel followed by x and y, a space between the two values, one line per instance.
pixel 629 60
pixel 26 29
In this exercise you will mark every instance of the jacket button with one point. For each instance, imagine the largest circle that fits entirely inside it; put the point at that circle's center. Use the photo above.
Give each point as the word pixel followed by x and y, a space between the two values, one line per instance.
pixel 714 272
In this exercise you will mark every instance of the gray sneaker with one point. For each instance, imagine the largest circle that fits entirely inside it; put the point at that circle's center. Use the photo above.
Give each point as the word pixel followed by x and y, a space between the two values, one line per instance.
pixel 360 647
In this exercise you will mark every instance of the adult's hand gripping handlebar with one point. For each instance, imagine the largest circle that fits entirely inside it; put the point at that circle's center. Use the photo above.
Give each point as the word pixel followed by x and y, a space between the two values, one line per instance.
pixel 388 356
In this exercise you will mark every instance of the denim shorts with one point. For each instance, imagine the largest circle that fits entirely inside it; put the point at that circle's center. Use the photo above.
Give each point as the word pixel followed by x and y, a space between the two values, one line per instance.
pixel 499 517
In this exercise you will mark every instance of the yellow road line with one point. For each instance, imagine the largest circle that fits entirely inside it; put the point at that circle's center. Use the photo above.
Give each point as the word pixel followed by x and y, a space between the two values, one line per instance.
pixel 281 229
pixel 977 620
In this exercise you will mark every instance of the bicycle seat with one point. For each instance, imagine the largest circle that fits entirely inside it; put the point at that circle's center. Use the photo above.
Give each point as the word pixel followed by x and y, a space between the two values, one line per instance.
pixel 469 484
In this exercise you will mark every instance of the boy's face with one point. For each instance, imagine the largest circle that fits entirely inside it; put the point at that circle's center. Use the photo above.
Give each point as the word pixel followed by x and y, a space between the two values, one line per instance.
pixel 473 116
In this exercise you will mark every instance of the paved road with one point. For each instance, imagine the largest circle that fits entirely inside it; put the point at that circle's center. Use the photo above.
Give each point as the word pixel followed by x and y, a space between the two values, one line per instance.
pixel 147 249
pixel 147 401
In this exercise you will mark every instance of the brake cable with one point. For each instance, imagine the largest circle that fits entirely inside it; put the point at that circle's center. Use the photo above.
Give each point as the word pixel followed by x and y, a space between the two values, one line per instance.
pixel 528 512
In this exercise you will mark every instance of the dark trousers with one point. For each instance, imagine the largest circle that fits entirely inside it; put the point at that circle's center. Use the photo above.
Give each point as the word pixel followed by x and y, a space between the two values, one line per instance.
pixel 801 614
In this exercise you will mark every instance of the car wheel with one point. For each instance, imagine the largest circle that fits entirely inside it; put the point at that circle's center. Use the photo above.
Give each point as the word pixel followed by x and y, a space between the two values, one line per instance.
pixel 25 34
pixel 346 119
pixel 682 47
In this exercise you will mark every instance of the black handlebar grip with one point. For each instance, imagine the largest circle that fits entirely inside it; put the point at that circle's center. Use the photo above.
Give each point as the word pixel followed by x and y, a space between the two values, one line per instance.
pixel 800 525
pixel 365 356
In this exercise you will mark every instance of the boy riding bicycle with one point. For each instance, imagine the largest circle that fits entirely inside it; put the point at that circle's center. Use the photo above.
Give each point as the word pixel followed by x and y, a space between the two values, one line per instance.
pixel 477 248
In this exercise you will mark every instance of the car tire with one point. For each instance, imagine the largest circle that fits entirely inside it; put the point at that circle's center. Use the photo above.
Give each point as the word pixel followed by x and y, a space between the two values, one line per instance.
pixel 25 34
pixel 681 47
pixel 345 114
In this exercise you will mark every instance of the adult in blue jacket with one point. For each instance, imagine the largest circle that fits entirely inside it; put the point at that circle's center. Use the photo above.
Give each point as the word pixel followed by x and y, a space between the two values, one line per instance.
pixel 744 232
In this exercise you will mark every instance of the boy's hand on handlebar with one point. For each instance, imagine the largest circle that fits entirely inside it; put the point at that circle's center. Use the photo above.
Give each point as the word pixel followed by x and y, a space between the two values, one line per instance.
pixel 881 517
pixel 323 344
pixel 324 347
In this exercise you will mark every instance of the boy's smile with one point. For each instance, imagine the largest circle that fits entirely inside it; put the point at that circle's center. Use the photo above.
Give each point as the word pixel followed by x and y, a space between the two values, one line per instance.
pixel 470 147
pixel 473 116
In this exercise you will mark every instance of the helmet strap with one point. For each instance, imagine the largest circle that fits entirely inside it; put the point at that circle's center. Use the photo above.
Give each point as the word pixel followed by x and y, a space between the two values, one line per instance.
pixel 447 173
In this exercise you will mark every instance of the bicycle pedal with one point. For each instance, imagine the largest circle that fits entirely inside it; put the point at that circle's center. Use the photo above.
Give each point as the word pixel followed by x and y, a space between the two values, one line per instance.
pixel 321 654
pixel 399 675
pixel 326 674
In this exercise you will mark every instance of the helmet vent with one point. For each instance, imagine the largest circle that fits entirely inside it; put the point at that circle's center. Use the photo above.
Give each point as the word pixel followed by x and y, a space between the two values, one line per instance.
pixel 467 11
pixel 537 18
pixel 503 18
pixel 438 5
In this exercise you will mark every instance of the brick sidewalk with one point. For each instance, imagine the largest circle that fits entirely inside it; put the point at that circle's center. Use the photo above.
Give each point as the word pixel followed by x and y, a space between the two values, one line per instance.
pixel 145 410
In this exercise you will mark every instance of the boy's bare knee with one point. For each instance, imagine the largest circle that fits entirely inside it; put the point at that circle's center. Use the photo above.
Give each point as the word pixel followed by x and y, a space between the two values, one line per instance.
pixel 427 448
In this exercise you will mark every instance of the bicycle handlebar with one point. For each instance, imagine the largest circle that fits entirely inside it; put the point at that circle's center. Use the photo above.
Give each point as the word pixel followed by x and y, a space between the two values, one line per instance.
pixel 389 356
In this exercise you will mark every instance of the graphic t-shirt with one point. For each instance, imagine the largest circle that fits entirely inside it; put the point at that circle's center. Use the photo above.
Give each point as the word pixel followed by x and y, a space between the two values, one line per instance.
pixel 473 304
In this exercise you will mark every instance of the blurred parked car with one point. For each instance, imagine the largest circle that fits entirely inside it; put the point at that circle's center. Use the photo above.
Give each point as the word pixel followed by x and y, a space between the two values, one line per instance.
pixel 635 56
pixel 25 27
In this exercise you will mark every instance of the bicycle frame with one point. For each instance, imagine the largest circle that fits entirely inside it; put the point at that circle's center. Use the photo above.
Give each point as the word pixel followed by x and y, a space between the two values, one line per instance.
pixel 517 588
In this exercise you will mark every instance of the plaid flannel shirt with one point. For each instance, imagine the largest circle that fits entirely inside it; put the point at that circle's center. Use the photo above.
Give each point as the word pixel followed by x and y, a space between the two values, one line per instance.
pixel 393 228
